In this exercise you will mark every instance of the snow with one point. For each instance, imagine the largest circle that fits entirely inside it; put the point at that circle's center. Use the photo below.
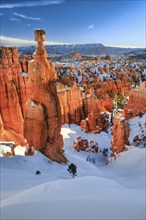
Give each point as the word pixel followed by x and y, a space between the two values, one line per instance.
pixel 4 149
pixel 144 73
pixel 19 150
pixel 137 127
pixel 69 134
pixel 24 74
pixel 33 104
pixel 116 191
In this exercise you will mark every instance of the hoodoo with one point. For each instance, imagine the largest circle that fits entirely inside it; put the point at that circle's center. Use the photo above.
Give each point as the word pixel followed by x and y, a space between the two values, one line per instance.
pixel 42 121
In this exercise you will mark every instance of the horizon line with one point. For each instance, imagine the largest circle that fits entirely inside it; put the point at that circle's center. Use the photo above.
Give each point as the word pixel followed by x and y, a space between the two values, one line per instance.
pixel 18 42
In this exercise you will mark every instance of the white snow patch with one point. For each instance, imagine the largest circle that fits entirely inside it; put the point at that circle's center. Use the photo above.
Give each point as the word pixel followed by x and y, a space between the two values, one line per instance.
pixel 24 74
pixel 137 127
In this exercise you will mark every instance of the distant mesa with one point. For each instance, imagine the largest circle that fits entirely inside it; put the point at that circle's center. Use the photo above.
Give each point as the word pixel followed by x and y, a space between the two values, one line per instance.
pixel 83 49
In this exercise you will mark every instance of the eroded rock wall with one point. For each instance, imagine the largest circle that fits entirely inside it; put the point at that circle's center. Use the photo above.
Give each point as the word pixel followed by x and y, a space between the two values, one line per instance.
pixel 137 102
pixel 13 95
pixel 120 133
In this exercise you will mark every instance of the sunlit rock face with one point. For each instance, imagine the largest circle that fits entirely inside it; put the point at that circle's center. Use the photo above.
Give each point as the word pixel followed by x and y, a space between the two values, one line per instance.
pixel 71 105
pixel 120 133
pixel 42 122
pixel 136 102
pixel 14 91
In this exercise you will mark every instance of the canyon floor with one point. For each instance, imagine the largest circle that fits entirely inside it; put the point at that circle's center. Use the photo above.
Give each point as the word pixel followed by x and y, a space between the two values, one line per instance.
pixel 99 191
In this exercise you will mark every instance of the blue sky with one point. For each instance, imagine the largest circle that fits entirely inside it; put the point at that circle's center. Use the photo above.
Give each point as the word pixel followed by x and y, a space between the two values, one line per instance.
pixel 114 23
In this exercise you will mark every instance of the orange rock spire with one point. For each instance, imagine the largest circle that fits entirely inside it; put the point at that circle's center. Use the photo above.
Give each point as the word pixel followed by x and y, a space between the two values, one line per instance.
pixel 42 124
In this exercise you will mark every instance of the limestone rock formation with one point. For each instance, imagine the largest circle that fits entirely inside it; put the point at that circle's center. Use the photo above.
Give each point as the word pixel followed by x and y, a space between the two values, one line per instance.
pixel 120 133
pixel 92 122
pixel 42 122
pixel 81 144
pixel 35 125
pixel 77 55
pixel 71 105
pixel 105 104
pixel 23 60
pixel 13 95
pixel 136 102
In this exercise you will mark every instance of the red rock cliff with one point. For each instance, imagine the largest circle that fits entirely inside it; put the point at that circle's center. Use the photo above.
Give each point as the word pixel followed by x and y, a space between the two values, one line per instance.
pixel 13 95
pixel 71 105
pixel 137 102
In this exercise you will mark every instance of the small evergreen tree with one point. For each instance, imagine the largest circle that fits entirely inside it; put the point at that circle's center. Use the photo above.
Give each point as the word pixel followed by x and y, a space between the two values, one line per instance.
pixel 72 169
pixel 120 102
pixel 38 172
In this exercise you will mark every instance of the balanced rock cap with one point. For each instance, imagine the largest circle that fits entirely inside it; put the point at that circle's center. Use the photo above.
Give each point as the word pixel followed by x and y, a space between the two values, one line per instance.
pixel 39 35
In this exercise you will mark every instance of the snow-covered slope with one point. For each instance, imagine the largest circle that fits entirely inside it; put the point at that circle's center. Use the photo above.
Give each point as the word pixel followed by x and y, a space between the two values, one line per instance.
pixel 116 191
pixel 138 128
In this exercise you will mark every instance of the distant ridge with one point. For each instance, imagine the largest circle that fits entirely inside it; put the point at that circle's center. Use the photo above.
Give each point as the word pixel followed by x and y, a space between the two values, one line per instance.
pixel 140 54
pixel 83 49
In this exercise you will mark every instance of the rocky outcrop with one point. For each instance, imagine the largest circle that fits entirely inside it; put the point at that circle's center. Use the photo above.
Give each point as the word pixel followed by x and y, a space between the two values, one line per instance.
pixel 120 133
pixel 139 140
pixel 71 104
pixel 81 144
pixel 77 56
pixel 114 88
pixel 35 125
pixel 13 91
pixel 9 149
pixel 23 60
pixel 105 104
pixel 43 119
pixel 77 105
pixel 92 122
pixel 95 121
pixel 136 103
pixel 42 122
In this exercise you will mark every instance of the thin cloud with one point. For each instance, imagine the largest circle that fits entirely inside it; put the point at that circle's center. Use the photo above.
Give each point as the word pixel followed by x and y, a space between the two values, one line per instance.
pixel 31 3
pixel 91 26
pixel 27 17
pixel 14 19
pixel 1 14
pixel 16 42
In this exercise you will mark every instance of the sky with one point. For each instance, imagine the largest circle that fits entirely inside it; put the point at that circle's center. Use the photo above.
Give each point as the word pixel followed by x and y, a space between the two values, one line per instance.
pixel 113 23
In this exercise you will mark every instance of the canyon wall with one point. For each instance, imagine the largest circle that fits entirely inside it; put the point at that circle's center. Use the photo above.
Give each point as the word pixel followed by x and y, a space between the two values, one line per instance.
pixel 71 105
pixel 135 106
pixel 14 91
pixel 137 102
pixel 30 106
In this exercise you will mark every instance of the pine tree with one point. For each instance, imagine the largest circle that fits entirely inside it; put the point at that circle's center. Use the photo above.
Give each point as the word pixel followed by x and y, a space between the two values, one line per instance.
pixel 72 169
